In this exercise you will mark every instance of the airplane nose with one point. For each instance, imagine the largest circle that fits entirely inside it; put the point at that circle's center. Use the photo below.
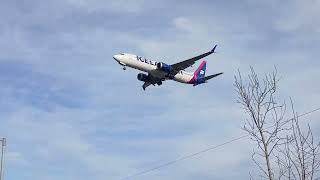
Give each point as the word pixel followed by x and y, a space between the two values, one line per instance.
pixel 116 57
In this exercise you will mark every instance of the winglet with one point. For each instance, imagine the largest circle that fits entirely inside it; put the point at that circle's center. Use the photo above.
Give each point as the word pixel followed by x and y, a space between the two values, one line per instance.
pixel 214 48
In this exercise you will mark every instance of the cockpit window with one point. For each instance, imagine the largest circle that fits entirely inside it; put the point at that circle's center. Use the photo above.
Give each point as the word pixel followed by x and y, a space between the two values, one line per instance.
pixel 122 54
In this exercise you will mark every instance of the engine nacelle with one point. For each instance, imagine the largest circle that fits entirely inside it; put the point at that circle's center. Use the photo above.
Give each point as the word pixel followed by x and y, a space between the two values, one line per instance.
pixel 164 67
pixel 142 77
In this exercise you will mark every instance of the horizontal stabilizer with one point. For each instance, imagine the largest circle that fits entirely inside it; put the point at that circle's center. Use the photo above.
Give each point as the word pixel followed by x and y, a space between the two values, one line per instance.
pixel 212 76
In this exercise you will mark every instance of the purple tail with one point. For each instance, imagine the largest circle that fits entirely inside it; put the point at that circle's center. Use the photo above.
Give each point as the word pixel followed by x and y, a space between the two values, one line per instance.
pixel 199 74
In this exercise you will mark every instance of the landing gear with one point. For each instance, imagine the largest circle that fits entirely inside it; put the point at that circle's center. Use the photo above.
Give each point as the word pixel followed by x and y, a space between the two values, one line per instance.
pixel 122 64
pixel 159 83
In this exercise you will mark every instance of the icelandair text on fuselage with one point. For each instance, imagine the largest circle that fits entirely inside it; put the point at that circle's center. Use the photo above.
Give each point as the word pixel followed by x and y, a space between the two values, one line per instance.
pixel 146 61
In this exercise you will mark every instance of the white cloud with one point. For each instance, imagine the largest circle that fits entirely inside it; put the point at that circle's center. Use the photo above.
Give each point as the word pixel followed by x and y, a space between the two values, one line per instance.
pixel 299 16
pixel 54 138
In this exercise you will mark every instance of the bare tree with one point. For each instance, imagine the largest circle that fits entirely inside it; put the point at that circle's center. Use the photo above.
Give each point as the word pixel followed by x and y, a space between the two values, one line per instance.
pixel 265 121
pixel 299 157
pixel 286 151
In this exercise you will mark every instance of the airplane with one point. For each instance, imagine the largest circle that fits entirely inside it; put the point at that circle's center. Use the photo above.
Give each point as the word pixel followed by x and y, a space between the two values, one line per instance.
pixel 159 71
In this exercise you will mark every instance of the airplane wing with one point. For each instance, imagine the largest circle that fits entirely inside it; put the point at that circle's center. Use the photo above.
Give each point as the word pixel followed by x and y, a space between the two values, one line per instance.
pixel 189 62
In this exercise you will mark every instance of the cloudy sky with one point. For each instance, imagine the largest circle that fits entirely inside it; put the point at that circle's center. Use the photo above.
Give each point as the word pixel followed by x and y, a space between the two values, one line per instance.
pixel 70 112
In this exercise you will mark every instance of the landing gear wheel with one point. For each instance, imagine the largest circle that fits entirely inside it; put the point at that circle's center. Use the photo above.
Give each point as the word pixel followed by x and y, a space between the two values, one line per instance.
pixel 159 83
pixel 124 68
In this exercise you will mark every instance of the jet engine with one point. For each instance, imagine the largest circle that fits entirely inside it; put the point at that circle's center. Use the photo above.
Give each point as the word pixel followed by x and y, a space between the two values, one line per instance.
pixel 164 67
pixel 142 77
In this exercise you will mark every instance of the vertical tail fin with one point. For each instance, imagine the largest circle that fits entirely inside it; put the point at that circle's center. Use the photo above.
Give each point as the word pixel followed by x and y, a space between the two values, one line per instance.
pixel 201 71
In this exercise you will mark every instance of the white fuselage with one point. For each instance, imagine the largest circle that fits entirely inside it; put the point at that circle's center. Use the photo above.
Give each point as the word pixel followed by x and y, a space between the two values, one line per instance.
pixel 149 66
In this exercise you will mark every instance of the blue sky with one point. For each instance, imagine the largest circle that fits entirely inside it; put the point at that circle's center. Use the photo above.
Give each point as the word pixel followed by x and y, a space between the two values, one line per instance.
pixel 70 112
